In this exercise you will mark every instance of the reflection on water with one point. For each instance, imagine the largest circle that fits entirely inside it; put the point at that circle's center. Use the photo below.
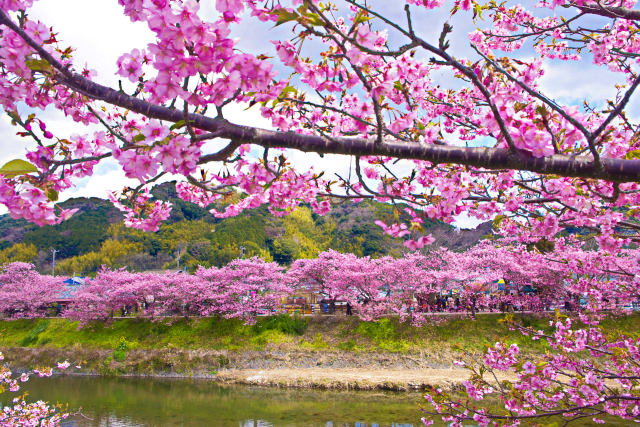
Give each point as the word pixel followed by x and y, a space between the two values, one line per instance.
pixel 260 423
pixel 129 402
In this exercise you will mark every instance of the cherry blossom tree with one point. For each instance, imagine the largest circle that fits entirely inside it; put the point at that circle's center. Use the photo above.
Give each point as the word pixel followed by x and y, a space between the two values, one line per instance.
pixel 242 288
pixel 318 274
pixel 590 373
pixel 26 293
pixel 117 292
pixel 588 370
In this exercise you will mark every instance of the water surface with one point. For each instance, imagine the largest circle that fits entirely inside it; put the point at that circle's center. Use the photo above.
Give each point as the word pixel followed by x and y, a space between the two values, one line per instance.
pixel 129 402
pixel 120 402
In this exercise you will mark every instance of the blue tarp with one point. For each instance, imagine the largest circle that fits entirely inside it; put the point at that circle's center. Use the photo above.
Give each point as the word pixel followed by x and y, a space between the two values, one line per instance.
pixel 72 285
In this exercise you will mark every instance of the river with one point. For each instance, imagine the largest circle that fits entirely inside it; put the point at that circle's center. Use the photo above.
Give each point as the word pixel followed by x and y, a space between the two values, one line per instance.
pixel 129 402
pixel 126 402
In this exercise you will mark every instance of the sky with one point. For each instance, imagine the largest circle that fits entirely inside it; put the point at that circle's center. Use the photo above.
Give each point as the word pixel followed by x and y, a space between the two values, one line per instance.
pixel 100 33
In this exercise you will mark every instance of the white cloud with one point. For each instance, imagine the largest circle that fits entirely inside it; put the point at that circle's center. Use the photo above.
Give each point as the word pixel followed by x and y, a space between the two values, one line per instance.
pixel 572 82
pixel 97 30
pixel 108 178
pixel 11 145
pixel 464 221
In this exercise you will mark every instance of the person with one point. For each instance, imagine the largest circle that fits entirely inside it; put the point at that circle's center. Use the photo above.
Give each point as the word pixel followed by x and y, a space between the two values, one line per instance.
pixel 349 313
pixel 474 300
pixel 567 305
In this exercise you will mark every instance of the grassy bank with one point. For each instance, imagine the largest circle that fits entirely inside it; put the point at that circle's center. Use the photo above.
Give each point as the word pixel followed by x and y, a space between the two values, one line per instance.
pixel 203 346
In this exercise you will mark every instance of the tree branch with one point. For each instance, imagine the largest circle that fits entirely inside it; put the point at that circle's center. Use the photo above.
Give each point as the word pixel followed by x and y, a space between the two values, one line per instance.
pixel 615 170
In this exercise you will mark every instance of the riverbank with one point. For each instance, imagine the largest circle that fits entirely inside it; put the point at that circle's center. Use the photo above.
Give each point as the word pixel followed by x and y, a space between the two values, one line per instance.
pixel 318 352
pixel 350 379
pixel 327 370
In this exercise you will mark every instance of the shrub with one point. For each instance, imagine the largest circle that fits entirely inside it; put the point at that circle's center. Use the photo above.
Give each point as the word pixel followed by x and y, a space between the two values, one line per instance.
pixel 291 325
pixel 120 352
pixel 33 336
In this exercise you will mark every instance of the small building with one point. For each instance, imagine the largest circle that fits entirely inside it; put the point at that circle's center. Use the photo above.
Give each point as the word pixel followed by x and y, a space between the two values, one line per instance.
pixel 71 287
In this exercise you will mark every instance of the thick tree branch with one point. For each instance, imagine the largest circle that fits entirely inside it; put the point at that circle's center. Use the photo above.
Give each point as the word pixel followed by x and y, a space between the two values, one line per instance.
pixel 616 170
pixel 611 11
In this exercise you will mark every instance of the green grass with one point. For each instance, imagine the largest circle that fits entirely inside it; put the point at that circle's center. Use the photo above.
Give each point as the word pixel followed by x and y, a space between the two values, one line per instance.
pixel 316 343
pixel 282 333
pixel 291 325
pixel 458 333
pixel 34 334
pixel 207 333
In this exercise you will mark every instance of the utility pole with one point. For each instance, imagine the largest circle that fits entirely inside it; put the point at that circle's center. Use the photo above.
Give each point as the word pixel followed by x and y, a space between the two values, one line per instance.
pixel 179 249
pixel 53 261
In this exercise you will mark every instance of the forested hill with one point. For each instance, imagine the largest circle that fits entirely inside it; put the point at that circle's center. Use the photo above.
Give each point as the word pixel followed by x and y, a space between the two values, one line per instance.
pixel 95 235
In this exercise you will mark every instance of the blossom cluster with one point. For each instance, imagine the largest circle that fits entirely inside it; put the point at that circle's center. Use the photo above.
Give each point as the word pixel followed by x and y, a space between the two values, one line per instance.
pixel 576 380
pixel 23 413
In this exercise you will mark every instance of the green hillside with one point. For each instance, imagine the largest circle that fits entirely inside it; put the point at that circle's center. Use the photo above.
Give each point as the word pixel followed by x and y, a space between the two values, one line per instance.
pixel 96 236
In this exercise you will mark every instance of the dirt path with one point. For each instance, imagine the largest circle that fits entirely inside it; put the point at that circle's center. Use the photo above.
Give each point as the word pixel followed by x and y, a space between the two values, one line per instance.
pixel 357 379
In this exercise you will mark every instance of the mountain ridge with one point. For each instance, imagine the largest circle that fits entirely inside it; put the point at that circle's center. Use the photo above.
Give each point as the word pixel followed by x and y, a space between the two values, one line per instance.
pixel 95 235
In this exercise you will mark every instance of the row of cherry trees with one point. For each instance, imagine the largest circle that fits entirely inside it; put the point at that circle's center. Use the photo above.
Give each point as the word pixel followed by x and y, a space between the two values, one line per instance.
pixel 588 372
pixel 406 287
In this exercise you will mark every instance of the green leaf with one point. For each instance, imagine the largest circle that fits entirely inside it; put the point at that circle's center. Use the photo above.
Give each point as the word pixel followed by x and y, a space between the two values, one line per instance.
pixel 52 195
pixel 17 167
pixel 540 109
pixel 635 154
pixel 41 65
pixel 285 16
pixel 287 90
pixel 360 18
pixel 477 10
pixel 313 19
pixel 177 125
pixel 139 137
pixel 498 219
pixel 416 227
